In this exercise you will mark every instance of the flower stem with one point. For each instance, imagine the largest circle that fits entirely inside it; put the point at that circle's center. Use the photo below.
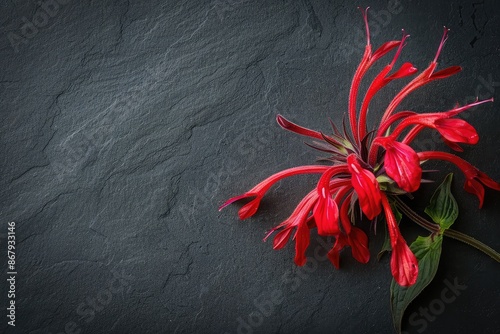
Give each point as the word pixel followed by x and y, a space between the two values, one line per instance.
pixel 435 228
pixel 473 242
pixel 432 227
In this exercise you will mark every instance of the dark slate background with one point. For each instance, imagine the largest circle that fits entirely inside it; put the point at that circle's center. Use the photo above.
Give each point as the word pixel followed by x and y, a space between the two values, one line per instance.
pixel 126 123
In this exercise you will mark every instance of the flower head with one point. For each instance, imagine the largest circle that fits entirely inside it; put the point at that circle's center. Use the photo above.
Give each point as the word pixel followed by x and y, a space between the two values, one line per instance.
pixel 367 169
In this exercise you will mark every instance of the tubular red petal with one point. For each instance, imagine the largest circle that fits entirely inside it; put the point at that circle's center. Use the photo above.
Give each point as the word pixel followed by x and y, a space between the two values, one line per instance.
pixel 383 50
pixel 302 239
pixel 473 176
pixel 281 239
pixel 487 181
pixel 366 186
pixel 418 81
pixel 447 72
pixel 344 214
pixel 436 118
pixel 287 125
pixel 405 70
pixel 400 47
pixel 300 213
pixel 353 94
pixel 260 189
pixel 237 198
pixel 404 264
pixel 457 110
pixel 444 38
pixel 265 185
pixel 378 83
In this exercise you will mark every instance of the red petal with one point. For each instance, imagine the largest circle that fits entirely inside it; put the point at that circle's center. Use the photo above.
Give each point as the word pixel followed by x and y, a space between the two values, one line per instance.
pixel 281 239
pixel 249 209
pixel 404 264
pixel 236 198
pixel 334 253
pixel 326 211
pixel 359 245
pixel 326 214
pixel 383 50
pixel 403 165
pixel 475 187
pixel 452 145
pixel 405 70
pixel 366 186
pixel 287 125
pixel 301 243
pixel 447 72
pixel 487 181
pixel 344 214
pixel 457 130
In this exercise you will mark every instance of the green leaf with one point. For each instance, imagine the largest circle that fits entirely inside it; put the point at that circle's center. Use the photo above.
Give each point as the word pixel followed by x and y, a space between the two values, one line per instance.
pixel 443 208
pixel 386 247
pixel 428 251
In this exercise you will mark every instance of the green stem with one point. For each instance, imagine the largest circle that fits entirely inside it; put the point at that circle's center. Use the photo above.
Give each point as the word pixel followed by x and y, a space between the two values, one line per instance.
pixel 473 242
pixel 435 228
pixel 432 227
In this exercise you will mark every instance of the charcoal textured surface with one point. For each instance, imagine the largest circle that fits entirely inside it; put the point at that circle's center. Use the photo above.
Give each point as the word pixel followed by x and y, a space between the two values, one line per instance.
pixel 125 124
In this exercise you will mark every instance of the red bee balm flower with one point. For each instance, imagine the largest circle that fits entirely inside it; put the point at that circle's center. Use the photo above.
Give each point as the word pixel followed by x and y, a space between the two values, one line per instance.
pixel 370 168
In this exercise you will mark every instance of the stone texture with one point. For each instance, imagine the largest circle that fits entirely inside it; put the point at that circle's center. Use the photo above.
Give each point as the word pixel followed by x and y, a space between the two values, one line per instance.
pixel 126 124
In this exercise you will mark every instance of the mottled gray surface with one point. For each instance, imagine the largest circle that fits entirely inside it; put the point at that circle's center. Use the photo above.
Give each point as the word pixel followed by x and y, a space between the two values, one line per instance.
pixel 126 123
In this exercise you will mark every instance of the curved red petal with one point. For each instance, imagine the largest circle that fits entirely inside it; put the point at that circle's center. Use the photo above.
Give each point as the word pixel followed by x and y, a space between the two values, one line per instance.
pixel 475 187
pixel 403 165
pixel 457 130
pixel 281 239
pixel 359 245
pixel 344 214
pixel 249 209
pixel 366 186
pixel 487 181
pixel 447 72
pixel 454 146
pixel 287 125
pixel 236 198
pixel 301 243
pixel 334 253
pixel 404 264
pixel 383 50
pixel 405 70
